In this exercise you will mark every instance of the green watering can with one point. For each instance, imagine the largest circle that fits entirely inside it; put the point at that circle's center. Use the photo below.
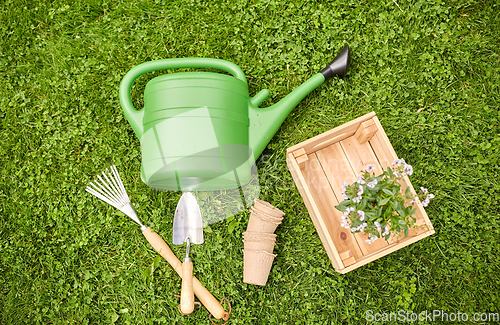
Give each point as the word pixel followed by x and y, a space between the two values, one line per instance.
pixel 201 131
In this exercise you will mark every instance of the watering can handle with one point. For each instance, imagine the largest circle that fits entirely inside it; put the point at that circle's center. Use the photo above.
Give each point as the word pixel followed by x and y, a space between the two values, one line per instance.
pixel 135 116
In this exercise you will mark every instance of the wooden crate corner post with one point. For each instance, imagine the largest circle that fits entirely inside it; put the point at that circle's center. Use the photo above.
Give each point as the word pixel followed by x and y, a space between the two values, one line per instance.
pixel 366 131
pixel 301 157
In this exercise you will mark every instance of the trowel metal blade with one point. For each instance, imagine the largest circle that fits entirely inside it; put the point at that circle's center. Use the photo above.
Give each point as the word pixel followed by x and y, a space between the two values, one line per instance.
pixel 187 221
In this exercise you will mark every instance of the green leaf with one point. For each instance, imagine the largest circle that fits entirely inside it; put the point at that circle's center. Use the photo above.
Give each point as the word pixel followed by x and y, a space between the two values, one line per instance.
pixel 386 191
pixel 371 213
pixel 114 317
pixel 362 204
pixel 343 205
pixel 384 201
pixel 407 192
pixel 231 226
pixel 406 231
pixel 146 273
pixel 156 261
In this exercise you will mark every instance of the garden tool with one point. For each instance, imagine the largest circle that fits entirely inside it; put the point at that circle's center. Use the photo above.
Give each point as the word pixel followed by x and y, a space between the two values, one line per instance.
pixel 201 131
pixel 110 189
pixel 188 229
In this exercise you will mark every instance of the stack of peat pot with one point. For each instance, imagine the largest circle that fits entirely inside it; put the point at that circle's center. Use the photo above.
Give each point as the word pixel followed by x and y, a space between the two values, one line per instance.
pixel 259 241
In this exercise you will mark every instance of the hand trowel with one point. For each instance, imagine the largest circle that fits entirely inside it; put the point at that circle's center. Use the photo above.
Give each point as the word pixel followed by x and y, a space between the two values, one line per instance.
pixel 188 228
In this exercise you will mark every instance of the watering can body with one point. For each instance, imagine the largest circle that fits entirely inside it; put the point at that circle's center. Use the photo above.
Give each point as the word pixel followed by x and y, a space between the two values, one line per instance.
pixel 201 131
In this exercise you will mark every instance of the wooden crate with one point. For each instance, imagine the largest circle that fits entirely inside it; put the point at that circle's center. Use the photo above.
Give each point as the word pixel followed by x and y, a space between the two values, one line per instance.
pixel 319 167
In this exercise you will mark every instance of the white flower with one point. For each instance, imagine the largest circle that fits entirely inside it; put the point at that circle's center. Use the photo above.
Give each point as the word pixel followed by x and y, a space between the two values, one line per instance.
pixel 357 199
pixel 360 180
pixel 344 188
pixel 408 169
pixel 360 191
pixel 413 200
pixel 423 189
pixel 349 210
pixel 361 215
pixel 398 161
pixel 363 226
pixel 371 239
pixel 425 202
pixel 430 196
pixel 372 183
pixel 369 168
pixel 377 225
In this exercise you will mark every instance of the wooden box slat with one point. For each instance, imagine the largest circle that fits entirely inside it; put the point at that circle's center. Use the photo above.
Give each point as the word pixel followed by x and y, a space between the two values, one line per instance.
pixel 314 212
pixel 326 201
pixel 335 155
pixel 332 136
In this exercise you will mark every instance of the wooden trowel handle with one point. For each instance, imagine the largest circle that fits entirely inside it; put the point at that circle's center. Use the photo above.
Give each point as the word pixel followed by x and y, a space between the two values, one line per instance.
pixel 205 297
pixel 187 295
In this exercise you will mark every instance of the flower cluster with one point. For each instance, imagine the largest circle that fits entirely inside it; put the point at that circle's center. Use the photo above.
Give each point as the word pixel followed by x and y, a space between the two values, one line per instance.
pixel 374 204
pixel 428 196
pixel 401 168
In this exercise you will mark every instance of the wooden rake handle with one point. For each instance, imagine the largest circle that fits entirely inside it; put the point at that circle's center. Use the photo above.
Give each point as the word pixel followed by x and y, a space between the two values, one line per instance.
pixel 205 297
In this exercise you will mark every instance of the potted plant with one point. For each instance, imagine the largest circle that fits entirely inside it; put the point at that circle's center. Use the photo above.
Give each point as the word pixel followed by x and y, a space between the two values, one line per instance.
pixel 376 205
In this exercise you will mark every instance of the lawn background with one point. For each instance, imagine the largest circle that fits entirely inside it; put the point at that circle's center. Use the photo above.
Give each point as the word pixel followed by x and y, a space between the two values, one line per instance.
pixel 429 69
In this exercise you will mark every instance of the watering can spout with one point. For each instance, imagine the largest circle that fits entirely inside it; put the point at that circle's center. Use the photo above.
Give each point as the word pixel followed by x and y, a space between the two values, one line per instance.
pixel 338 67
pixel 265 122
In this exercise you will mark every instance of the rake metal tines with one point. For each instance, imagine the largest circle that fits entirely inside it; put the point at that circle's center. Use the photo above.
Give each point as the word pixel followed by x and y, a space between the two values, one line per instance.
pixel 111 190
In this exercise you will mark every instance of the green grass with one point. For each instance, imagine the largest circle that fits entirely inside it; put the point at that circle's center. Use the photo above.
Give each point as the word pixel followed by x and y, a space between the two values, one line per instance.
pixel 429 69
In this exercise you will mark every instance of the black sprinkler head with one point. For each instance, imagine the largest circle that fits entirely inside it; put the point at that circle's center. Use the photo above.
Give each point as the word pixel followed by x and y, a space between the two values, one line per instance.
pixel 338 67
